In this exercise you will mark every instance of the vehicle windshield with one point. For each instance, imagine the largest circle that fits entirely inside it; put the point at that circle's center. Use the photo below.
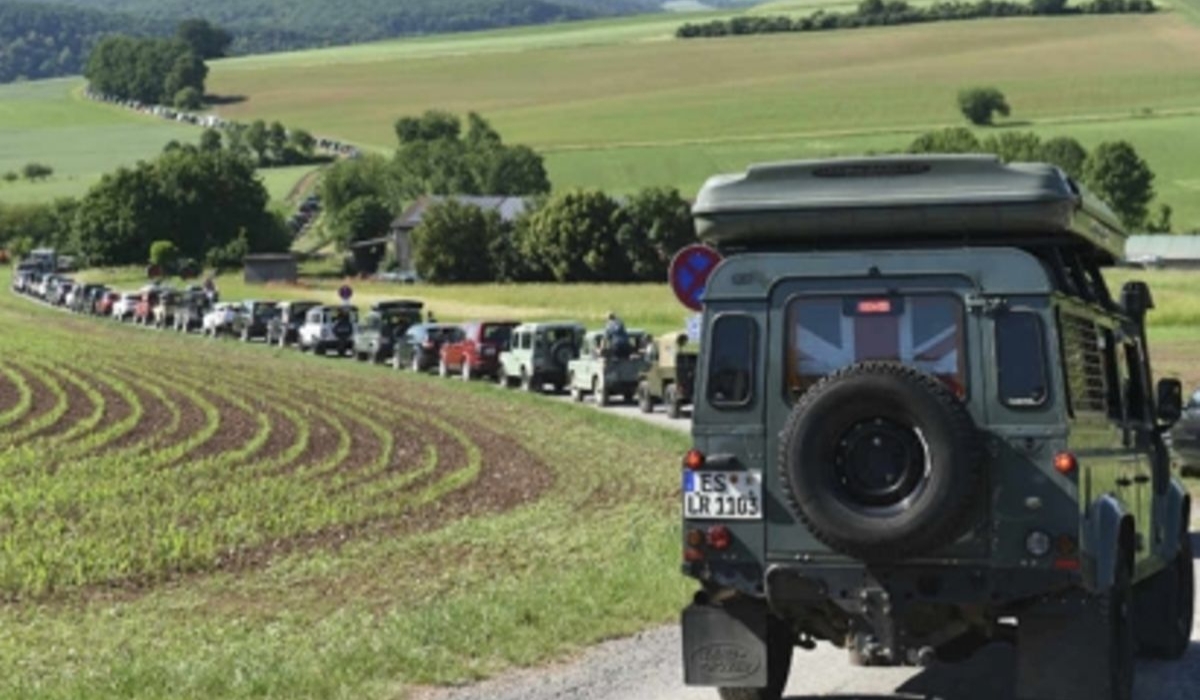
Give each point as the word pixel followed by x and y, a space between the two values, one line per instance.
pixel 827 333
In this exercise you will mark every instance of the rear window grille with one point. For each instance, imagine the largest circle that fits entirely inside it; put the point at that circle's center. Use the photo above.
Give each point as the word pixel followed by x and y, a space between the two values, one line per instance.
pixel 1083 360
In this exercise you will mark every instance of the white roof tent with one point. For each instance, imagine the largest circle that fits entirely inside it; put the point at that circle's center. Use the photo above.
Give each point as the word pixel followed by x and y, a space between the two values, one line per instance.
pixel 905 201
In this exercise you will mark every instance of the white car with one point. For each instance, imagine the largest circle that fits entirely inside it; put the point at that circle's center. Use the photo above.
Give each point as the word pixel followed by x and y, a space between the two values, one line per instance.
pixel 328 328
pixel 221 318
pixel 123 308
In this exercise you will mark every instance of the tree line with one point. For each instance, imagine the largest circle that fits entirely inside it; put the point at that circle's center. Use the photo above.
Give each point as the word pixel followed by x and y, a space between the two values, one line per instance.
pixel 575 236
pixel 873 13
pixel 157 71
pixel 1114 170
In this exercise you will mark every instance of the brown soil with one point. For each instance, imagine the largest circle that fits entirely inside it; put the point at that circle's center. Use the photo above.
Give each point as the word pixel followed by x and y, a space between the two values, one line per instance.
pixel 155 417
pixel 237 427
pixel 116 408
pixel 79 407
pixel 43 401
pixel 9 396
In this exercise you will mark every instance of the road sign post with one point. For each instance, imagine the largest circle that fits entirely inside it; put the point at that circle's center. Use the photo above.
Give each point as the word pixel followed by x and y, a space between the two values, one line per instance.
pixel 345 293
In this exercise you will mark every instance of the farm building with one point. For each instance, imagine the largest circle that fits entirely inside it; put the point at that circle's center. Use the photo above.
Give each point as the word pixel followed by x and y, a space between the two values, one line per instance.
pixel 270 267
pixel 369 253
pixel 1163 250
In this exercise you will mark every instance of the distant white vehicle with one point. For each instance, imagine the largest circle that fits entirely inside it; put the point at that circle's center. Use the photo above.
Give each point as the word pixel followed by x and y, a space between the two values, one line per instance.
pixel 221 318
pixel 123 308
pixel 328 328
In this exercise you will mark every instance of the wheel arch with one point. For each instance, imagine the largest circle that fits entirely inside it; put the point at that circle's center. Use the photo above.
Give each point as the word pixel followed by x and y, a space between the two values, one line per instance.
pixel 1109 531
pixel 1177 519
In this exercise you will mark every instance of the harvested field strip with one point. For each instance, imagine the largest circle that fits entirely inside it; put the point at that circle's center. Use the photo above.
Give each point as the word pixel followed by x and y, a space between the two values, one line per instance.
pixel 18 395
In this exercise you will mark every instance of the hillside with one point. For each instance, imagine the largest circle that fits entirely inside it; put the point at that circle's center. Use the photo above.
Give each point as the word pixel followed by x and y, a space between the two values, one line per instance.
pixel 263 27
pixel 619 104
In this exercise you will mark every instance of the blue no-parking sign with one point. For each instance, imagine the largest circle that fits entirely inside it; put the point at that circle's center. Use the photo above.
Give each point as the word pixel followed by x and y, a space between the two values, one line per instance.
pixel 689 273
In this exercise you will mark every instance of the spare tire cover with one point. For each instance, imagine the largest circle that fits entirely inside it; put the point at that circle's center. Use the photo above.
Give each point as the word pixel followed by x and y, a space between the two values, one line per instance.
pixel 882 461
pixel 562 352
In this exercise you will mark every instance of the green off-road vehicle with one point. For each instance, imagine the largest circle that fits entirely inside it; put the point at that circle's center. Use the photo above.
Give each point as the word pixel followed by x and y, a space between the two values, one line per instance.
pixel 670 375
pixel 538 354
pixel 923 424
pixel 604 372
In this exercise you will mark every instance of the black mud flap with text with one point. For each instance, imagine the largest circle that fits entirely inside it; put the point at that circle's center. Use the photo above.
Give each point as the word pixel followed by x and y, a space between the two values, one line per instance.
pixel 725 646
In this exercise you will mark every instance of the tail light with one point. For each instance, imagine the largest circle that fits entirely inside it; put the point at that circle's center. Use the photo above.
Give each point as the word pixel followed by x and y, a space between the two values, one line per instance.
pixel 692 555
pixel 1065 463
pixel 694 459
pixel 719 537
pixel 695 538
pixel 428 345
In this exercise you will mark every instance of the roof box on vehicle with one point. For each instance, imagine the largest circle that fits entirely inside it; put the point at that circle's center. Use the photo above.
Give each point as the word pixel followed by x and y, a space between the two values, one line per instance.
pixel 904 201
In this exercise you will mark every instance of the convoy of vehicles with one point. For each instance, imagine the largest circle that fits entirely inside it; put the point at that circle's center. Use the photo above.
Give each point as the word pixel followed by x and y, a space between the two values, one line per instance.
pixel 923 423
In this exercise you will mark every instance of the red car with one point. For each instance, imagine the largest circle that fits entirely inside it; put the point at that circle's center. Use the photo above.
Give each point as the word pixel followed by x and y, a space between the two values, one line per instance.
pixel 105 303
pixel 143 313
pixel 478 353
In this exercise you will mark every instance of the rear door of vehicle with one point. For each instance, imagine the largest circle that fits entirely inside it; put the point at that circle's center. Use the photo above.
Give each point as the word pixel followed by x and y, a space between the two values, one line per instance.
pixel 821 325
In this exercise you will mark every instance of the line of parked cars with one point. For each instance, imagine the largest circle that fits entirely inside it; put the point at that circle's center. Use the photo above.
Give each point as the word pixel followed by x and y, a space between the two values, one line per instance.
pixel 555 356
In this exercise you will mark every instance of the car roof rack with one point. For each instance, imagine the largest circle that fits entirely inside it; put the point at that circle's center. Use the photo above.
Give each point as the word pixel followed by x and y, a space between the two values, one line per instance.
pixel 905 201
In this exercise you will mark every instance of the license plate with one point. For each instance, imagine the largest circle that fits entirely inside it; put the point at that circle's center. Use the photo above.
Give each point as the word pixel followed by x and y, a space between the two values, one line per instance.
pixel 722 495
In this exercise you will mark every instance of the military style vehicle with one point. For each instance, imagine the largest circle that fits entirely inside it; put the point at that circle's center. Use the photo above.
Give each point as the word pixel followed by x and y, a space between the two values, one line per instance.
pixel 603 374
pixel 923 424
pixel 538 354
pixel 284 326
pixel 375 338
pixel 670 375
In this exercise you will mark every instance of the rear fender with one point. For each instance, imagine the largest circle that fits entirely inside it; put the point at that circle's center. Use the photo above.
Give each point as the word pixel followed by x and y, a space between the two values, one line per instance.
pixel 1175 521
pixel 1101 540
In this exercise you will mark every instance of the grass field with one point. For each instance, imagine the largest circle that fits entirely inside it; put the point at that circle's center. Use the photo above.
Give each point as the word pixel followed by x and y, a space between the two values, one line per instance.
pixel 198 519
pixel 624 105
pixel 49 122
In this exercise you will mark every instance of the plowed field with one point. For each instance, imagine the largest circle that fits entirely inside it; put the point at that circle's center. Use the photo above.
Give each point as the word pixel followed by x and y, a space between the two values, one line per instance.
pixel 183 517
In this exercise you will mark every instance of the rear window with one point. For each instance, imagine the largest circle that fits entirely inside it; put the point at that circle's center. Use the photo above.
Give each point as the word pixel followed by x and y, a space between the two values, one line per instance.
pixel 828 333
pixel 731 365
pixel 496 334
pixel 1021 360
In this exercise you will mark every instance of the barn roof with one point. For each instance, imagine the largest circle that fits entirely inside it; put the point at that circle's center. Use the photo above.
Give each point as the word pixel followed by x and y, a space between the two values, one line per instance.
pixel 509 208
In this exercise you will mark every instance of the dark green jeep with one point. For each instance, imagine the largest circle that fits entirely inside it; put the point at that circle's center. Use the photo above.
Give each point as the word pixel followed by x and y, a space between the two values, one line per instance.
pixel 923 424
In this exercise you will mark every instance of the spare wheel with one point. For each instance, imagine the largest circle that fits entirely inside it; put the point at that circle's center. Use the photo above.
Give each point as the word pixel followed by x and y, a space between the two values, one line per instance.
pixel 882 461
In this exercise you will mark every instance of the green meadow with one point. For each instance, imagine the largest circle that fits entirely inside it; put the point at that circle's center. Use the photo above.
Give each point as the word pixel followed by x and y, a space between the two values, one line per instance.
pixel 50 122
pixel 621 104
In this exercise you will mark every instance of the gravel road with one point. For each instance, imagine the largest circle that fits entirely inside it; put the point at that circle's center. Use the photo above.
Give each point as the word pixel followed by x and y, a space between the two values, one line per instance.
pixel 647 667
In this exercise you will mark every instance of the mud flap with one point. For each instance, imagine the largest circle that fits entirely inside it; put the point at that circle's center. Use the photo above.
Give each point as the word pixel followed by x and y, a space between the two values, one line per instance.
pixel 725 646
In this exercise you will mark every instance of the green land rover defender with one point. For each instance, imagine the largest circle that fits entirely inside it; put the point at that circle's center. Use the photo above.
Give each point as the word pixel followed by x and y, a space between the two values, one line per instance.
pixel 923 424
